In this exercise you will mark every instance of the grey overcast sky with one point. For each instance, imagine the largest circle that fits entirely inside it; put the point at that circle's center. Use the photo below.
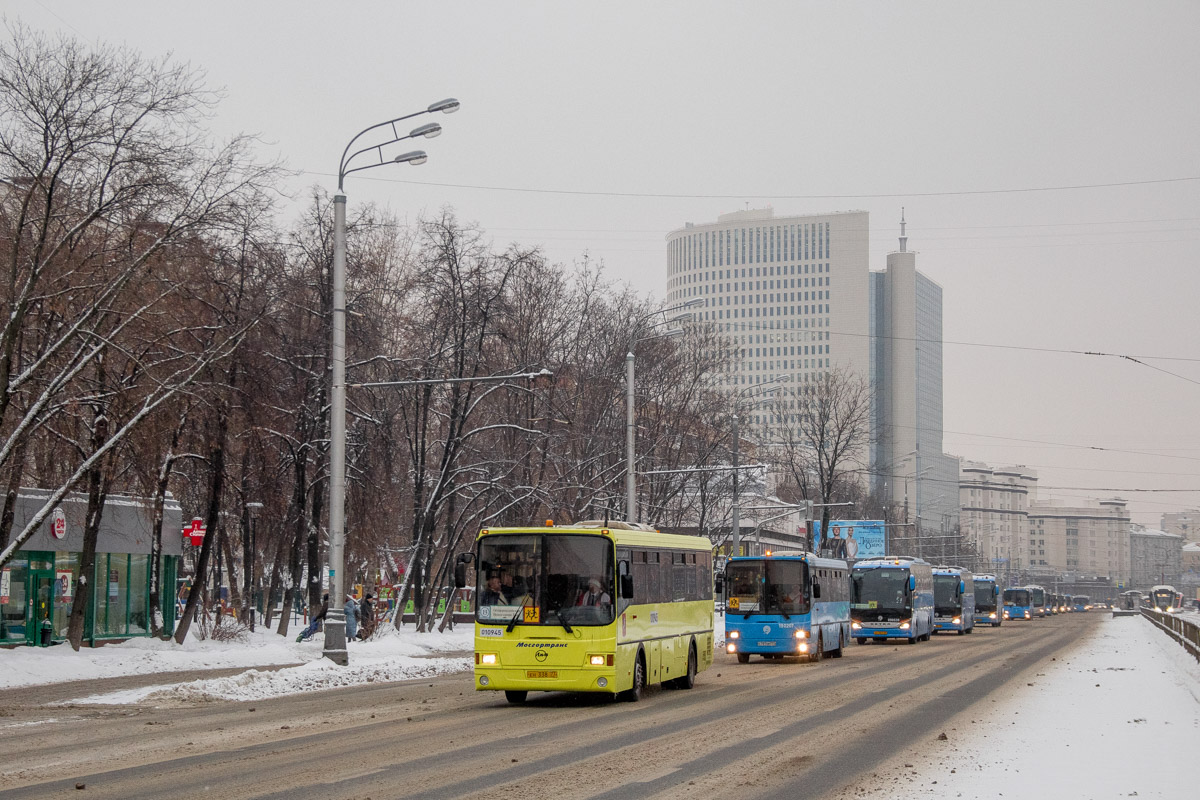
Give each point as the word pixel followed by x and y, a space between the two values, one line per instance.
pixel 595 128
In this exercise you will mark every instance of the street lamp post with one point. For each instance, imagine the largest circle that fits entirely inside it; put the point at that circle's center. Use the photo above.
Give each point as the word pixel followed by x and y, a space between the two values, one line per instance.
pixel 767 388
pixel 335 619
pixel 253 509
pixel 630 421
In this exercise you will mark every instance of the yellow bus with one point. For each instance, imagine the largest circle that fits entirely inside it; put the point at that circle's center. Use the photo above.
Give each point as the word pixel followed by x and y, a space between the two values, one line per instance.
pixel 546 620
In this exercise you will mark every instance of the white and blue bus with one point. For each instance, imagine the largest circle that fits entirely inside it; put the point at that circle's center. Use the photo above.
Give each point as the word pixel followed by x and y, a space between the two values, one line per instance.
pixel 953 600
pixel 1081 603
pixel 987 601
pixel 1039 600
pixel 891 598
pixel 1017 604
pixel 786 604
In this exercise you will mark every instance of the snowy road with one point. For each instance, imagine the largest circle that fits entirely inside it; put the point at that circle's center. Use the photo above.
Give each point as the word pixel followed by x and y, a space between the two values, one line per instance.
pixel 761 729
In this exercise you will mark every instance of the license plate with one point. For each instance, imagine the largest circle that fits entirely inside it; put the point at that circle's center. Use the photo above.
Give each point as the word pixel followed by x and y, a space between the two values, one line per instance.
pixel 542 673
pixel 881 633
pixel 766 644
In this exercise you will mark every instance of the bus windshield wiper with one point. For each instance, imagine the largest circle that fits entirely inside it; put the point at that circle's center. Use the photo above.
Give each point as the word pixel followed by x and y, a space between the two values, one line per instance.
pixel 563 620
pixel 512 623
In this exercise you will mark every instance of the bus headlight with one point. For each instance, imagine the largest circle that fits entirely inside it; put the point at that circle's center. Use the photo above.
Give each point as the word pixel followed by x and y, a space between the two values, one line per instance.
pixel 856 626
pixel 731 648
pixel 1026 615
pixel 483 680
pixel 801 634
pixel 992 615
pixel 735 635
pixel 602 682
pixel 596 661
pixel 956 621
pixel 802 648
pixel 488 658
pixel 904 625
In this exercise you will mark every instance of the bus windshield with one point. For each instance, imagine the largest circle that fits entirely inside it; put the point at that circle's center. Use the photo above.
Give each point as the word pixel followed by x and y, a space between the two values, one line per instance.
pixel 946 599
pixel 882 590
pixel 1016 597
pixel 768 586
pixel 1038 596
pixel 985 596
pixel 538 579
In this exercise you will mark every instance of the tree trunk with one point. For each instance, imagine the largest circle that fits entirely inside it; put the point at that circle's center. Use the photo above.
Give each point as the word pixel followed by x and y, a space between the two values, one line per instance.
pixel 97 490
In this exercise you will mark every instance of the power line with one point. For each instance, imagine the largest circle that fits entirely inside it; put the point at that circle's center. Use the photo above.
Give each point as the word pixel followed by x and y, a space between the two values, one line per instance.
pixel 742 196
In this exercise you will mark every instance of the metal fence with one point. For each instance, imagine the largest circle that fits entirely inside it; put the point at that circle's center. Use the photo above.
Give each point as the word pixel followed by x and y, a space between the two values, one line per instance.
pixel 1184 631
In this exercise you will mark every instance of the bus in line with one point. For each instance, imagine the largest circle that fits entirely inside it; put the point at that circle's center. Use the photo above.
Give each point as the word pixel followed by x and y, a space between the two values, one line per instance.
pixel 1038 600
pixel 891 598
pixel 987 601
pixel 789 603
pixel 1080 603
pixel 1018 604
pixel 606 607
pixel 953 600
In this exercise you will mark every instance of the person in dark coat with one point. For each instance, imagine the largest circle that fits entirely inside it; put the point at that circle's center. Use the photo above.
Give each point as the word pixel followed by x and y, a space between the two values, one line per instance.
pixel 315 623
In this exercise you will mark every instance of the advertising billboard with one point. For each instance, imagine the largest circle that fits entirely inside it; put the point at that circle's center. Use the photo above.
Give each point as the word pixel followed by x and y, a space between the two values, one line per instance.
pixel 851 538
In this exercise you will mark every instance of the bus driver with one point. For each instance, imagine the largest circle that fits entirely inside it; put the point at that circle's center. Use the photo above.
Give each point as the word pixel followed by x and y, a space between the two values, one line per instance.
pixel 593 595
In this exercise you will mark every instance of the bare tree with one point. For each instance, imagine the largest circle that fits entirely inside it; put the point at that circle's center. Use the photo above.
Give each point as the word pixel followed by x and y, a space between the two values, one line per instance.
pixel 106 173
pixel 822 430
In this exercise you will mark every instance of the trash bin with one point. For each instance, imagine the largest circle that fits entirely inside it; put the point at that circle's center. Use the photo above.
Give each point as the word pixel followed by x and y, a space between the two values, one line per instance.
pixel 47 632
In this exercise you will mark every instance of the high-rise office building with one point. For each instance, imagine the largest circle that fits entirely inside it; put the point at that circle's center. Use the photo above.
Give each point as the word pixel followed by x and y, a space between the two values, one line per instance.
pixel 777 288
pixel 795 297
pixel 909 468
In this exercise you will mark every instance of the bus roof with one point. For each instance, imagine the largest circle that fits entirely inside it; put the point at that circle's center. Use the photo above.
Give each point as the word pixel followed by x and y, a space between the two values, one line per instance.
pixel 626 534
pixel 985 577
pixel 798 555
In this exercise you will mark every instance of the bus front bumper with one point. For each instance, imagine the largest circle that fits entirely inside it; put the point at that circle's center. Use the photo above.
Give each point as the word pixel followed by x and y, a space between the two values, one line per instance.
pixel 881 630
pixel 545 679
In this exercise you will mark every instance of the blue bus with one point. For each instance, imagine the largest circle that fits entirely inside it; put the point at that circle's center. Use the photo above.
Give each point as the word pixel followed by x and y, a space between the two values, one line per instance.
pixel 987 601
pixel 1039 600
pixel 1080 603
pixel 953 600
pixel 786 604
pixel 1017 604
pixel 891 598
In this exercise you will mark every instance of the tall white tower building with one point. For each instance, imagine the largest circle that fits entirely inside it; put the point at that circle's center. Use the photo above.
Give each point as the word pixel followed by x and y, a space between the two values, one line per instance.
pixel 777 287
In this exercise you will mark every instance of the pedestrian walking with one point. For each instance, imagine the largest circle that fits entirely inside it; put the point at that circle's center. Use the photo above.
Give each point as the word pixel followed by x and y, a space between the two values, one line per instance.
pixel 366 617
pixel 351 618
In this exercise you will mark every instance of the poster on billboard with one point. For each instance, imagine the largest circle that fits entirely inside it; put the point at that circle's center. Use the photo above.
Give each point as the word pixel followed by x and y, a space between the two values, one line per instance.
pixel 851 539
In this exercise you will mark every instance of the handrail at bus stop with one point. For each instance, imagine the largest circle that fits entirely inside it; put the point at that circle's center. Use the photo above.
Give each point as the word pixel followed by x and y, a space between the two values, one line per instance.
pixel 1184 631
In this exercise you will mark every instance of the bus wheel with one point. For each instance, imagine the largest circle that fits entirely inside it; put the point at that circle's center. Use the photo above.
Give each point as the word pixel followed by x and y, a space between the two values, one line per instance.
pixel 860 639
pixel 912 639
pixel 970 630
pixel 743 658
pixel 688 679
pixel 838 652
pixel 633 694
pixel 816 655
pixel 516 698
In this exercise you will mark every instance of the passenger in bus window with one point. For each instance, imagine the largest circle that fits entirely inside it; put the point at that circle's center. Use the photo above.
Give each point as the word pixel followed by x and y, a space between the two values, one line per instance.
pixel 492 595
pixel 593 595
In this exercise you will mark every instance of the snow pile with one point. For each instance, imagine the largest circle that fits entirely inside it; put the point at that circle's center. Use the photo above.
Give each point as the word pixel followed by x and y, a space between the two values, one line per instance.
pixel 28 666
pixel 1118 717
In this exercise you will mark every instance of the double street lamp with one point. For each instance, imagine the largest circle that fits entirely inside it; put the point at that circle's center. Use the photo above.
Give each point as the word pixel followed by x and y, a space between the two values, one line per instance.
pixel 335 619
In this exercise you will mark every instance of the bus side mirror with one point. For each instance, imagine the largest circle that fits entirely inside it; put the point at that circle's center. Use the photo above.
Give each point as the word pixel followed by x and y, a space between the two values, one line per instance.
pixel 460 569
pixel 817 590
pixel 962 586
pixel 626 587
pixel 720 585
pixel 912 583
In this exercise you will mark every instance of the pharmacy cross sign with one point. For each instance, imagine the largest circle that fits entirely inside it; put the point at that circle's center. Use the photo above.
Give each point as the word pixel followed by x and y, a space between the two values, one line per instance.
pixel 195 532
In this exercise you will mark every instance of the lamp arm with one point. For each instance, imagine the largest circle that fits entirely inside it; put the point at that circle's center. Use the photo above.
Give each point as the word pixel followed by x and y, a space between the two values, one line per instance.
pixel 342 171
